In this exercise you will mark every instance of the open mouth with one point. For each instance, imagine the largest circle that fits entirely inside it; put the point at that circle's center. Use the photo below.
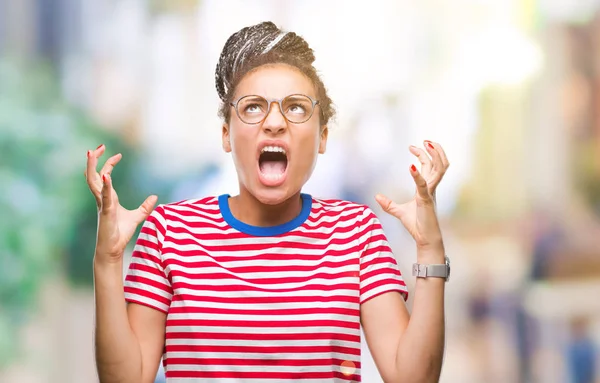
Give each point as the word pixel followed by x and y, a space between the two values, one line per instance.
pixel 272 163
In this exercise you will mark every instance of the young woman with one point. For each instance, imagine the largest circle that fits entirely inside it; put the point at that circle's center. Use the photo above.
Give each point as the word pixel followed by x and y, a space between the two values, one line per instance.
pixel 270 285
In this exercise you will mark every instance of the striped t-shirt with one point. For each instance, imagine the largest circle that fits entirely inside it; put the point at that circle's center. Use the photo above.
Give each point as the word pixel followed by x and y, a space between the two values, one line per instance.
pixel 261 304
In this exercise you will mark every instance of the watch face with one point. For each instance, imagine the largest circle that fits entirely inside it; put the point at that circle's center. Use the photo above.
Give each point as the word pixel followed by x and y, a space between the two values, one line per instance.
pixel 448 268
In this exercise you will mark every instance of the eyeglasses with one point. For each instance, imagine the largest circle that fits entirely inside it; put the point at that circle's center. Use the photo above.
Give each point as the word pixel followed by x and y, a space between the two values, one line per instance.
pixel 296 108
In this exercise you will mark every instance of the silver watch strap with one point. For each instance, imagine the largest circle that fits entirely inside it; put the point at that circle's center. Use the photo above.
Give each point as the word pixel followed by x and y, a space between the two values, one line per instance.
pixel 424 271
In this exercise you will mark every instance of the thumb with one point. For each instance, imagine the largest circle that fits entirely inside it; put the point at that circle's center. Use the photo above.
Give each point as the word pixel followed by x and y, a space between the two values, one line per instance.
pixel 389 206
pixel 146 208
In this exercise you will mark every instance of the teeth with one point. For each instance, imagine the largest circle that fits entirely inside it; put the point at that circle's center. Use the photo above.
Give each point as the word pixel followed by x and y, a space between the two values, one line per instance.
pixel 273 149
pixel 273 177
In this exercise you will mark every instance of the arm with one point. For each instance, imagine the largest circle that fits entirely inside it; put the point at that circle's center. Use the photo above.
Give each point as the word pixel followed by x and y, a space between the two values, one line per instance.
pixel 407 348
pixel 128 338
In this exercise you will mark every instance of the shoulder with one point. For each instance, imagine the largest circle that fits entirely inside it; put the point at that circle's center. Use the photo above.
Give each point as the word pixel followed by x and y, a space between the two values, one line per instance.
pixel 343 209
pixel 207 207
pixel 204 202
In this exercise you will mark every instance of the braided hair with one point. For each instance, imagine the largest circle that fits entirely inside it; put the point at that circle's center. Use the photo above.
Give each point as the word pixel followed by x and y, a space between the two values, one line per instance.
pixel 262 44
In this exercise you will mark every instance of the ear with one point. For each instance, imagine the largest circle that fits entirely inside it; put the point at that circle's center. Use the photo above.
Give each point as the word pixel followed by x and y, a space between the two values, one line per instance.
pixel 225 137
pixel 323 139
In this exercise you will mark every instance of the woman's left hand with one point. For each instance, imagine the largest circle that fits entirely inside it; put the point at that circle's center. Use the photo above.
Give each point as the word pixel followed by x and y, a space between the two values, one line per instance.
pixel 419 215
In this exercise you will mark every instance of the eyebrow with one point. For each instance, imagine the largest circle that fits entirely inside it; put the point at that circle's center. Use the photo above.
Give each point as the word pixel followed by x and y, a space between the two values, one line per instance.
pixel 293 96
pixel 253 97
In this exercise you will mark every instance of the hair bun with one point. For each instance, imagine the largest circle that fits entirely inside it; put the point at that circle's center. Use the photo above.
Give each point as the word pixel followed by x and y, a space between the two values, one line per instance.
pixel 252 42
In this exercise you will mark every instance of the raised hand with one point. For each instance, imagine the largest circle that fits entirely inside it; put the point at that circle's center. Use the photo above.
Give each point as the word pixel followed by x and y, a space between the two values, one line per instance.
pixel 116 224
pixel 418 215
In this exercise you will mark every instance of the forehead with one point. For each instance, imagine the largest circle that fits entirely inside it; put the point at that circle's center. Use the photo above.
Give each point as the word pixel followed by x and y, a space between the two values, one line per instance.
pixel 275 81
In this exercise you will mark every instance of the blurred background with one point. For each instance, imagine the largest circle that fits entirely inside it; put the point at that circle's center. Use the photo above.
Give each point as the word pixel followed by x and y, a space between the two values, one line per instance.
pixel 510 88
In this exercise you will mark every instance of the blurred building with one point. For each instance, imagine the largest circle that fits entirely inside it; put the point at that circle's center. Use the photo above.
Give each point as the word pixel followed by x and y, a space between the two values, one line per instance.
pixel 510 88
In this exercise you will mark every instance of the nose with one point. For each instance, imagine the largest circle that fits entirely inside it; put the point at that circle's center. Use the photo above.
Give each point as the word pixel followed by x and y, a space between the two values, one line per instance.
pixel 275 122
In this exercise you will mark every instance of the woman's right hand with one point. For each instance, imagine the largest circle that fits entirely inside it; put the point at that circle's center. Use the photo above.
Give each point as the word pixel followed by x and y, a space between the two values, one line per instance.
pixel 116 225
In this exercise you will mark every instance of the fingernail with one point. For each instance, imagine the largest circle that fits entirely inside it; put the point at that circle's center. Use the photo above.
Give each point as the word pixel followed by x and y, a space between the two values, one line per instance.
pixel 429 144
pixel 99 146
pixel 89 153
pixel 413 168
pixel 104 178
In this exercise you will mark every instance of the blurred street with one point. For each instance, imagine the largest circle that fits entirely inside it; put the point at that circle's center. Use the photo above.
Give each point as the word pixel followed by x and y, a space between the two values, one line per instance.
pixel 510 88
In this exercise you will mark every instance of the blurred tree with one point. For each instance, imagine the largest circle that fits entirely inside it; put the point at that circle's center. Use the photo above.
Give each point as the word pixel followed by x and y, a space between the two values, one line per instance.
pixel 48 219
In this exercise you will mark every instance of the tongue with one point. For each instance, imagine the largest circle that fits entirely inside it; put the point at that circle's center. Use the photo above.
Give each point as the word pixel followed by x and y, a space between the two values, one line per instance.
pixel 272 167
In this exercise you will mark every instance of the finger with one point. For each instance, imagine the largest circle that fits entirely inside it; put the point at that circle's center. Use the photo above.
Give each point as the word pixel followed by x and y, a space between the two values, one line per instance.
pixel 91 174
pixel 109 165
pixel 439 151
pixel 99 151
pixel 422 189
pixel 435 156
pixel 107 200
pixel 423 157
pixel 389 206
pixel 146 208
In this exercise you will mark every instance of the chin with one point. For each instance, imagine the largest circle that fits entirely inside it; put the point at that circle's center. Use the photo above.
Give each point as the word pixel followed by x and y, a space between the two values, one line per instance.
pixel 273 196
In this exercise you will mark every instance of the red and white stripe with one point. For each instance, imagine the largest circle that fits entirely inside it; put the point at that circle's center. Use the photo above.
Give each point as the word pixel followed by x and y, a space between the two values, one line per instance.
pixel 244 308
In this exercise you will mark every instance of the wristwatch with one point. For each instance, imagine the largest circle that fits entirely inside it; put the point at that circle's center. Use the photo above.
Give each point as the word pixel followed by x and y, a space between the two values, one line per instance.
pixel 437 271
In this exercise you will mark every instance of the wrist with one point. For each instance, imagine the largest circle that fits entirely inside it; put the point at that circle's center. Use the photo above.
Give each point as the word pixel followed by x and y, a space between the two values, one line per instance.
pixel 432 254
pixel 108 274
pixel 105 262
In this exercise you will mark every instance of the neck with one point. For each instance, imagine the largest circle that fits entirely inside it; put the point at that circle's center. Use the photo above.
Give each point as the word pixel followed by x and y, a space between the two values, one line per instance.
pixel 246 208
